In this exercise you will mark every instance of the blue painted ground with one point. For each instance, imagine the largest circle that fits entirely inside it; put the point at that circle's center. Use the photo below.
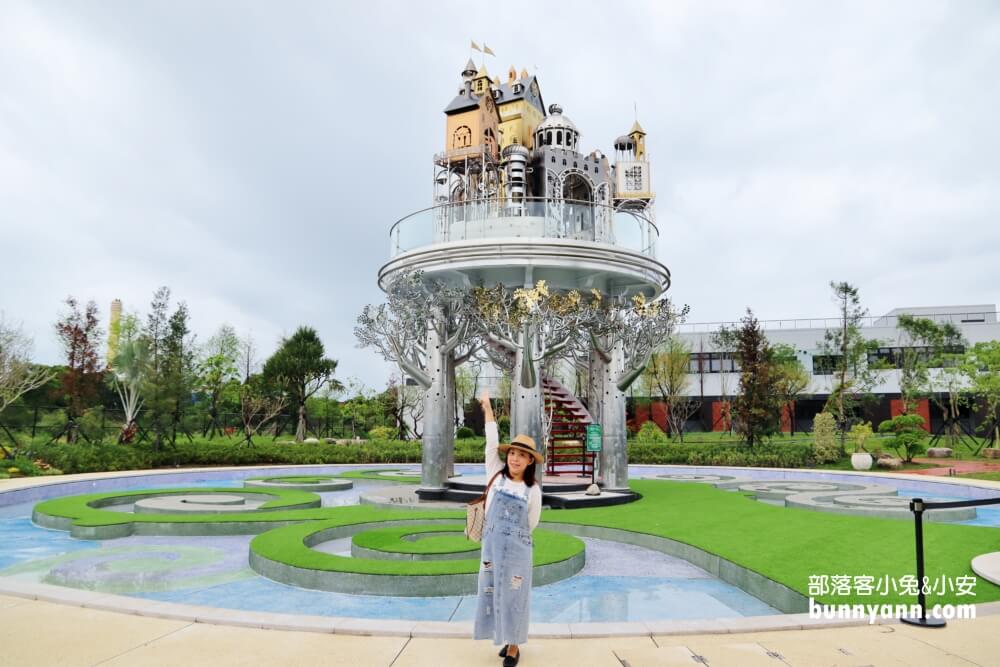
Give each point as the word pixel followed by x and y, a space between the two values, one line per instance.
pixel 213 572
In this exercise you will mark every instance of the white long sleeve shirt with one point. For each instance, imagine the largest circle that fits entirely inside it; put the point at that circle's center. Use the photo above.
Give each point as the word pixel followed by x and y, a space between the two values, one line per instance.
pixel 494 464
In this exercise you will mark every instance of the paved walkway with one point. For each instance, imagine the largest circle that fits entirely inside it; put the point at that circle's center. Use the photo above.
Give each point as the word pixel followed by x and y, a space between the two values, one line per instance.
pixel 37 634
pixel 960 467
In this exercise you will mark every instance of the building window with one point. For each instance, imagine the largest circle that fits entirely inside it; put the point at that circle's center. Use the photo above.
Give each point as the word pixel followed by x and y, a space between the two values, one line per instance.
pixel 462 137
pixel 553 159
pixel 633 179
pixel 712 362
pixel 825 364
pixel 896 357
pixel 559 137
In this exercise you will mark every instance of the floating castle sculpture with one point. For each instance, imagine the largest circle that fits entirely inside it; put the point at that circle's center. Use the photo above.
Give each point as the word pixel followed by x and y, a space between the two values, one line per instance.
pixel 517 201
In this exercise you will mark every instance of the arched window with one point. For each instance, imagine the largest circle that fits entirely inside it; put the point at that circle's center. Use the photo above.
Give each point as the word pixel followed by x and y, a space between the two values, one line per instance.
pixel 462 137
pixel 559 138
pixel 548 137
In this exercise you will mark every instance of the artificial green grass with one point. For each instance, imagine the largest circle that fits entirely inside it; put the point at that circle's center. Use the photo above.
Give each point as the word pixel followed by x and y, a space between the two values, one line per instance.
pixel 77 509
pixel 293 480
pixel 374 474
pixel 988 476
pixel 80 508
pixel 788 545
pixel 391 540
pixel 287 545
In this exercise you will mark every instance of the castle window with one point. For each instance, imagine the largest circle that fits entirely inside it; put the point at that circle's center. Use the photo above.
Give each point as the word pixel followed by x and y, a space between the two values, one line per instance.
pixel 559 137
pixel 548 138
pixel 633 179
pixel 553 158
pixel 462 137
pixel 574 164
pixel 564 162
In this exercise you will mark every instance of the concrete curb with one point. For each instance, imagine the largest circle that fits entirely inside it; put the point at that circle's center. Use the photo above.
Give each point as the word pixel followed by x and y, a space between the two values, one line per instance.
pixel 777 595
pixel 318 487
pixel 434 629
pixel 392 584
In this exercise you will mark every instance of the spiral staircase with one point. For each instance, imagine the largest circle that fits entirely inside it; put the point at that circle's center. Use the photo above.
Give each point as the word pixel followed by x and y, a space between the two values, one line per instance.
pixel 567 453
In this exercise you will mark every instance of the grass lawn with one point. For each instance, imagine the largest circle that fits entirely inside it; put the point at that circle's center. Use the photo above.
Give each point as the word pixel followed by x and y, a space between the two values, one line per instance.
pixel 391 540
pixel 374 474
pixel 788 545
pixel 287 545
pixel 989 476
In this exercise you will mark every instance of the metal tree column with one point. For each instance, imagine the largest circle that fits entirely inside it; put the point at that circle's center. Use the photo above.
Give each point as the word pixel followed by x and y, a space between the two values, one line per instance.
pixel 526 401
pixel 438 434
pixel 614 454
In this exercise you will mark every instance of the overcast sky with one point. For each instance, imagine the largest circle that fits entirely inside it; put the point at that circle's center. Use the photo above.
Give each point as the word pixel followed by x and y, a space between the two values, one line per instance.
pixel 252 156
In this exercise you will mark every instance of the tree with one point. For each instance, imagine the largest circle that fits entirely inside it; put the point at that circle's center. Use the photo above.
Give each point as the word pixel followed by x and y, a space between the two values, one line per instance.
pixel 791 377
pixel 908 435
pixel 523 328
pixel 424 328
pixel 18 375
pixel 258 405
pixel 667 374
pixel 170 372
pixel 217 369
pixel 930 367
pixel 128 374
pixel 848 350
pixel 80 334
pixel 723 342
pixel 300 369
pixel 981 366
pixel 623 335
pixel 758 406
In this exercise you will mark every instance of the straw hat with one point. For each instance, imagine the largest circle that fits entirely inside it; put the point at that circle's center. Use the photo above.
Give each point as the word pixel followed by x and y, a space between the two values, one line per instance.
pixel 526 444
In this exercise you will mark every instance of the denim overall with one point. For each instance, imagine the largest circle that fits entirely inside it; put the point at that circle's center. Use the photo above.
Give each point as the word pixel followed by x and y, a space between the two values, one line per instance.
pixel 503 609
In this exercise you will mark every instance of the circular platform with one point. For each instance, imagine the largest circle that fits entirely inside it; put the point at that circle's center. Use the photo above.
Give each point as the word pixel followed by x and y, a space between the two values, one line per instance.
pixel 315 484
pixel 987 566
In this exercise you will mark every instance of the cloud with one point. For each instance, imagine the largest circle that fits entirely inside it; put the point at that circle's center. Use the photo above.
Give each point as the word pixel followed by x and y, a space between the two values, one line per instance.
pixel 253 157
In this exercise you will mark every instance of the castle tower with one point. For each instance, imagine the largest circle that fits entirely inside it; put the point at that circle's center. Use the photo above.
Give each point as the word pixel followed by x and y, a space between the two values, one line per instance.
pixel 633 175
pixel 518 202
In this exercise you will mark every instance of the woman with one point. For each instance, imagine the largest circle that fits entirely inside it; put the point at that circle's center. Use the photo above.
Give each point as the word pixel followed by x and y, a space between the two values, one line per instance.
pixel 513 507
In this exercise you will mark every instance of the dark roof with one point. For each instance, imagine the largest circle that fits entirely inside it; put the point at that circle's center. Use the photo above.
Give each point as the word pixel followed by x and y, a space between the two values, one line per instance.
pixel 507 93
pixel 461 103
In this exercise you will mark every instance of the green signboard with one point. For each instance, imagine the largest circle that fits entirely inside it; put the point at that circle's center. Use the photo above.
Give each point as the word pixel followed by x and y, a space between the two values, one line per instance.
pixel 593 437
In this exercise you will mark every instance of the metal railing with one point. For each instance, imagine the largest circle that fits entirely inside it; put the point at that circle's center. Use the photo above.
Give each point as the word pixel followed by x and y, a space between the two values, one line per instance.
pixel 888 321
pixel 484 219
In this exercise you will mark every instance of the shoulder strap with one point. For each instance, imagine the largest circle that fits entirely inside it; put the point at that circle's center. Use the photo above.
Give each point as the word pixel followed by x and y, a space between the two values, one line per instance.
pixel 486 491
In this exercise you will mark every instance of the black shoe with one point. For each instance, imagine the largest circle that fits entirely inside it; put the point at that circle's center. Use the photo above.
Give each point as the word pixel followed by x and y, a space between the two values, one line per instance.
pixel 503 651
pixel 510 661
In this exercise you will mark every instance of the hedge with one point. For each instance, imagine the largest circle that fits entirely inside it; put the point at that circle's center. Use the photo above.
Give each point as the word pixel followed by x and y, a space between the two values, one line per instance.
pixel 83 457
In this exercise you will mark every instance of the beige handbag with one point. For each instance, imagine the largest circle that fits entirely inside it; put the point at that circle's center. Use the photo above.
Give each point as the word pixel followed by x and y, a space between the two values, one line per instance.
pixel 475 514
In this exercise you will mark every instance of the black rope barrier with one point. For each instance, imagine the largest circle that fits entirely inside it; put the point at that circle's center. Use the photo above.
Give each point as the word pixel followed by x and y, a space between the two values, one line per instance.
pixel 918 506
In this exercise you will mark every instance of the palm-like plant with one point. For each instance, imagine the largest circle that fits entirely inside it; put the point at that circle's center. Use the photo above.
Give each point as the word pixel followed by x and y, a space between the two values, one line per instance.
pixel 129 370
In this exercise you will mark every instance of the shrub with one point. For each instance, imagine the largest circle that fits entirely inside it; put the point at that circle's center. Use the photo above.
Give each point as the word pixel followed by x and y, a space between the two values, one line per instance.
pixel 651 434
pixel 503 426
pixel 858 435
pixel 381 433
pixel 465 432
pixel 764 454
pixel 908 435
pixel 85 457
pixel 825 449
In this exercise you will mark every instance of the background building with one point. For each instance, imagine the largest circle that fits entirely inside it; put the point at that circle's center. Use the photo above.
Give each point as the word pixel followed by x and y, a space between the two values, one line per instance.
pixel 714 375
